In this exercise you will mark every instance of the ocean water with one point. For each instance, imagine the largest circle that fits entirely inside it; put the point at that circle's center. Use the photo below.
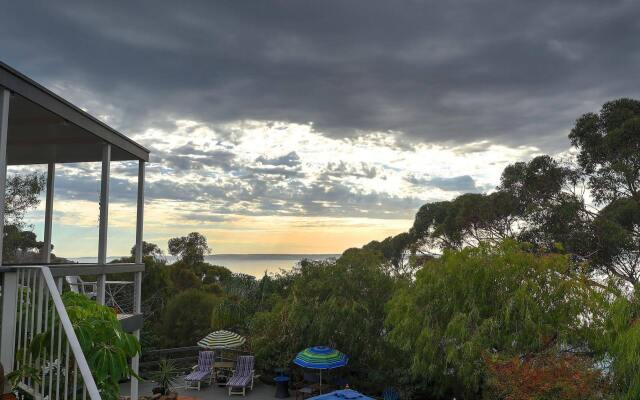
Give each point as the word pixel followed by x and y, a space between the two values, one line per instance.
pixel 252 264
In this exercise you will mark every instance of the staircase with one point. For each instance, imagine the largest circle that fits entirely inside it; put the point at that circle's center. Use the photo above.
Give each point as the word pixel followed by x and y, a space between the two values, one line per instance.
pixel 33 311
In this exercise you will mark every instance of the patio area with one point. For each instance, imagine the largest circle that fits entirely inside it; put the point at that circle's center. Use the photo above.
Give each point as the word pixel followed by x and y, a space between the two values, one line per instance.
pixel 260 391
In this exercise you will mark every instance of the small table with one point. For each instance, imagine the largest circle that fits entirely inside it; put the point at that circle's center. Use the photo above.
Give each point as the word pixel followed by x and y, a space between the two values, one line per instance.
pixel 282 387
pixel 219 369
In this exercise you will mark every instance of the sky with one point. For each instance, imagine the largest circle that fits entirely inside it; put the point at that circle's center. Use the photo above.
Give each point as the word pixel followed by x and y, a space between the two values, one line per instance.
pixel 312 126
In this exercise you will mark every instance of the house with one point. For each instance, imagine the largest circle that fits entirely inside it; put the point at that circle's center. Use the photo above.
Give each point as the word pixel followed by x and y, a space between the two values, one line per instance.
pixel 39 127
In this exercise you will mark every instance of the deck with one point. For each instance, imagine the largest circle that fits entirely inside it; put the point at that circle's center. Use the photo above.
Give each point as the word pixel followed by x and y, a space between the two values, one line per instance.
pixel 261 391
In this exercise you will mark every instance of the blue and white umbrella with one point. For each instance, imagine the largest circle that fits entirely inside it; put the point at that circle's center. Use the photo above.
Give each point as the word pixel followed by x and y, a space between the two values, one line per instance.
pixel 346 394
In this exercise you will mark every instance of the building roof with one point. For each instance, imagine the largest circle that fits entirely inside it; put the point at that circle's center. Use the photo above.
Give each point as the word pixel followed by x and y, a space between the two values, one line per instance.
pixel 43 127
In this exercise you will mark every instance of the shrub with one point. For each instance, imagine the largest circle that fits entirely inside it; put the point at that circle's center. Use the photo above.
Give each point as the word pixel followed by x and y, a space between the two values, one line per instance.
pixel 543 376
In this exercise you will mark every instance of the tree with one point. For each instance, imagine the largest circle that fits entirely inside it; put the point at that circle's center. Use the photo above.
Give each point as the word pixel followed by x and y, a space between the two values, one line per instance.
pixel 550 203
pixel 21 195
pixel 549 375
pixel 187 318
pixel 338 303
pixel 465 221
pixel 491 299
pixel 619 344
pixel 150 250
pixel 608 146
pixel 617 229
pixel 395 250
pixel 190 249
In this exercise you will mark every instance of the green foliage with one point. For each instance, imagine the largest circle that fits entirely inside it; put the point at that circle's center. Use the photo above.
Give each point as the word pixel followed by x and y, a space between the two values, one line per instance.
pixel 335 303
pixel 190 249
pixel 183 277
pixel 21 194
pixel 394 251
pixel 608 146
pixel 619 344
pixel 103 341
pixel 187 318
pixel 485 299
pixel 150 250
pixel 617 229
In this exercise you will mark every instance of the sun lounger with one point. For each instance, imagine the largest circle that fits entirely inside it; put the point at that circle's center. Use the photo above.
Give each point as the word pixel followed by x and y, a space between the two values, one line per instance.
pixel 242 376
pixel 201 372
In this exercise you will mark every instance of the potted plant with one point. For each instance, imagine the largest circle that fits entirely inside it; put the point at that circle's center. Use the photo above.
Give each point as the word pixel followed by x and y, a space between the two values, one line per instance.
pixel 166 376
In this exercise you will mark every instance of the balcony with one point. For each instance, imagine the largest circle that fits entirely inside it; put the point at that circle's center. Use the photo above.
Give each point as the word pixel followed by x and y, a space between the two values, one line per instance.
pixel 39 127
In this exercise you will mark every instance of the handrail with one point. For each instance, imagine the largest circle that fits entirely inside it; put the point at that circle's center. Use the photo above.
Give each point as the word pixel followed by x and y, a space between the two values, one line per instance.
pixel 74 344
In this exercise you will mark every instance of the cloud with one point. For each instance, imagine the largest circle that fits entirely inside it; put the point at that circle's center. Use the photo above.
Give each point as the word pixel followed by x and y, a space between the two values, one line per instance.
pixel 516 73
pixel 290 159
pixel 463 183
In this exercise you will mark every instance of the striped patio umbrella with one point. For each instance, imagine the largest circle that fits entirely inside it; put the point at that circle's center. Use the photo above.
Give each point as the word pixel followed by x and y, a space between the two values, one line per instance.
pixel 222 340
pixel 321 357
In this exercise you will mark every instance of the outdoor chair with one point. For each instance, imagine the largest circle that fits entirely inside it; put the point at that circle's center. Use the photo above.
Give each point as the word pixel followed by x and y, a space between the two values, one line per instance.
pixel 201 372
pixel 242 377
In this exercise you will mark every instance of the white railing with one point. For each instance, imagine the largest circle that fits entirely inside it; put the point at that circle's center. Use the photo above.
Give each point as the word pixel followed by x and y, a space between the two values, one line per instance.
pixel 61 366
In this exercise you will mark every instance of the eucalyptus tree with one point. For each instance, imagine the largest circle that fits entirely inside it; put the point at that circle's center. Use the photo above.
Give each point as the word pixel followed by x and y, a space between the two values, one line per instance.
pixel 608 146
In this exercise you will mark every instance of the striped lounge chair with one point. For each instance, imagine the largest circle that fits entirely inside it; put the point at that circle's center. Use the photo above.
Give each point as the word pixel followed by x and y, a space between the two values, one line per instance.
pixel 242 376
pixel 201 372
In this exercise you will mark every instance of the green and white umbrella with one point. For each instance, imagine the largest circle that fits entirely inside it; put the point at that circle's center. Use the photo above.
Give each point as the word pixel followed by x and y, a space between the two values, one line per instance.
pixel 222 340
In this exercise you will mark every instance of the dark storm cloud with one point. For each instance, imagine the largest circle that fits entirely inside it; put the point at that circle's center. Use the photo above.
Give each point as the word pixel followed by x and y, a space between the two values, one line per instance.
pixel 515 72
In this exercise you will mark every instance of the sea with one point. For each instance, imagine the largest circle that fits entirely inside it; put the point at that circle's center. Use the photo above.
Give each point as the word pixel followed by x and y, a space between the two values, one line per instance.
pixel 251 264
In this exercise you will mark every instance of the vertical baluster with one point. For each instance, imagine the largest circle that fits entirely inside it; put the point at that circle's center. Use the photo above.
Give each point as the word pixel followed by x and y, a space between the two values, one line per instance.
pixel 52 360
pixel 30 316
pixel 20 316
pixel 39 319
pixel 59 361
pixel 43 356
pixel 32 312
pixel 27 294
pixel 75 379
pixel 67 376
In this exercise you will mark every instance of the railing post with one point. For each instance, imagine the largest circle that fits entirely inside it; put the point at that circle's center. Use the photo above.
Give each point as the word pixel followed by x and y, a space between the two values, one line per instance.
pixel 9 316
pixel 10 279
pixel 104 220
pixel 48 211
pixel 137 290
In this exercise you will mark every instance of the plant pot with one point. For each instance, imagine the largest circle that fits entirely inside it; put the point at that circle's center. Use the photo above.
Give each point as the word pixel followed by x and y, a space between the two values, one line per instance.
pixel 8 396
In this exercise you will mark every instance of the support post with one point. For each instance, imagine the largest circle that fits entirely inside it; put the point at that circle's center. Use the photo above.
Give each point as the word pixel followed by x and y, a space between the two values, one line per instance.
pixel 48 211
pixel 137 293
pixel 5 97
pixel 9 279
pixel 104 220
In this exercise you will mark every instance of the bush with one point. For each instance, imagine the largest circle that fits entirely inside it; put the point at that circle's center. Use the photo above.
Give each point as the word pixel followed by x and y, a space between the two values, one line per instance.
pixel 544 376
pixel 491 298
